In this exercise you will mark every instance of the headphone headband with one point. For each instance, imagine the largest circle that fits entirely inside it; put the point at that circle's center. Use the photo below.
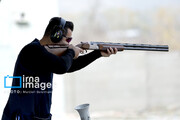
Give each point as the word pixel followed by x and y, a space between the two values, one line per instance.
pixel 62 22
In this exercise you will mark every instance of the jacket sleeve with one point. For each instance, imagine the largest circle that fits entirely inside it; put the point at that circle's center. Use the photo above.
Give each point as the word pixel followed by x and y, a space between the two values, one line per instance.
pixel 84 60
pixel 38 59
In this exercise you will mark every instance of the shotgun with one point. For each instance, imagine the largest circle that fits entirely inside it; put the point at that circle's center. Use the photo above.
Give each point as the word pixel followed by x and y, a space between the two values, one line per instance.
pixel 103 46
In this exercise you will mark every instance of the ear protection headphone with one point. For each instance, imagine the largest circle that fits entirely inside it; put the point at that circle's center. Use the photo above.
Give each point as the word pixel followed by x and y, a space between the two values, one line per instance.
pixel 58 31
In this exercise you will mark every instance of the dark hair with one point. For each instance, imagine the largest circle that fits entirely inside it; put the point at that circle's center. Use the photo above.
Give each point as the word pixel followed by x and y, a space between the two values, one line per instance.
pixel 56 21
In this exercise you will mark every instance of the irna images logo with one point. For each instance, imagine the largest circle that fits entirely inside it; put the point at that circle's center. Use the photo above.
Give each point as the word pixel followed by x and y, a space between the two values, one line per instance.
pixel 25 82
pixel 8 79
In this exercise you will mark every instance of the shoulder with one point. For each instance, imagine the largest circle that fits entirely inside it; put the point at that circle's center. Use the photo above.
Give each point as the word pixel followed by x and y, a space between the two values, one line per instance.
pixel 34 45
pixel 31 48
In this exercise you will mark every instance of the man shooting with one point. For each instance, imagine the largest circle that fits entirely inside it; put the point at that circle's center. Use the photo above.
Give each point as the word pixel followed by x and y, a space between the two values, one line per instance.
pixel 37 60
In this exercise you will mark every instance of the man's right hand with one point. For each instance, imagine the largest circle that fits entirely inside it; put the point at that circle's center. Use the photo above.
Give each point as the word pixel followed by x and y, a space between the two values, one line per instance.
pixel 77 50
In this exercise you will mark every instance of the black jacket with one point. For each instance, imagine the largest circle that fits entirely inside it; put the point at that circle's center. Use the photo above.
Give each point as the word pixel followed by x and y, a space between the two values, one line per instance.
pixel 35 61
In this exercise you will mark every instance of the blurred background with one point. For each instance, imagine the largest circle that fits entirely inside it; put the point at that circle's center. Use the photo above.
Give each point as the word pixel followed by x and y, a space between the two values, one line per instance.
pixel 132 85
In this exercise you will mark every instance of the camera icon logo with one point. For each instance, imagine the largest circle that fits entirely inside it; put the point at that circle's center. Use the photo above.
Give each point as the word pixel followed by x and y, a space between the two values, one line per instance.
pixel 8 79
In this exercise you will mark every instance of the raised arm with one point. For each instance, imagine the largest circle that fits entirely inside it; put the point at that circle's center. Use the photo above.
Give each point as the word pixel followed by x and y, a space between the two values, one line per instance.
pixel 84 60
pixel 38 59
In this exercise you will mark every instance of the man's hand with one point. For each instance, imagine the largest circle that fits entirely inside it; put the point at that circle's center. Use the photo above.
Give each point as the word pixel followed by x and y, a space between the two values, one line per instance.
pixel 109 52
pixel 77 50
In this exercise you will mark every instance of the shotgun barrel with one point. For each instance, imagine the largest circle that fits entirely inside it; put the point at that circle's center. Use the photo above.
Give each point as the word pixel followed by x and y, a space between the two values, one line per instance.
pixel 123 46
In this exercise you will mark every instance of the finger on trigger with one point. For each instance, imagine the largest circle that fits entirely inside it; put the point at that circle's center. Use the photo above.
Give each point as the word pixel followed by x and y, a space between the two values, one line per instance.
pixel 81 51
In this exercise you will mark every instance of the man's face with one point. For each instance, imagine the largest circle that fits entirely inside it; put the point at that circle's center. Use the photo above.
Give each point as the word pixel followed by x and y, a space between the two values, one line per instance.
pixel 66 39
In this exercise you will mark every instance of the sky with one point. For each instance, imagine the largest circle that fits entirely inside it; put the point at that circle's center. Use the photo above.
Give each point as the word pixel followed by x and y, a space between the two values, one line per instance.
pixel 81 5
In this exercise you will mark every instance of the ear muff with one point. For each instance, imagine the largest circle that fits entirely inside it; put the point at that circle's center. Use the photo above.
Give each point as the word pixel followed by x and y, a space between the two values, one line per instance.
pixel 58 31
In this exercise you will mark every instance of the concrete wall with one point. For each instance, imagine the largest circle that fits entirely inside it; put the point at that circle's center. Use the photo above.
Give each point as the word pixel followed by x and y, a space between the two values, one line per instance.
pixel 130 80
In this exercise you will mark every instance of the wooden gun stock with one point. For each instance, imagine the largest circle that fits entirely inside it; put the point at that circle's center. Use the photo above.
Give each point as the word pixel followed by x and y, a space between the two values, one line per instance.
pixel 56 49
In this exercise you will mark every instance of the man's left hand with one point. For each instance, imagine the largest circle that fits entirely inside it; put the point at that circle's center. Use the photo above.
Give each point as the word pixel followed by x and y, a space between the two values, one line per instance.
pixel 109 52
